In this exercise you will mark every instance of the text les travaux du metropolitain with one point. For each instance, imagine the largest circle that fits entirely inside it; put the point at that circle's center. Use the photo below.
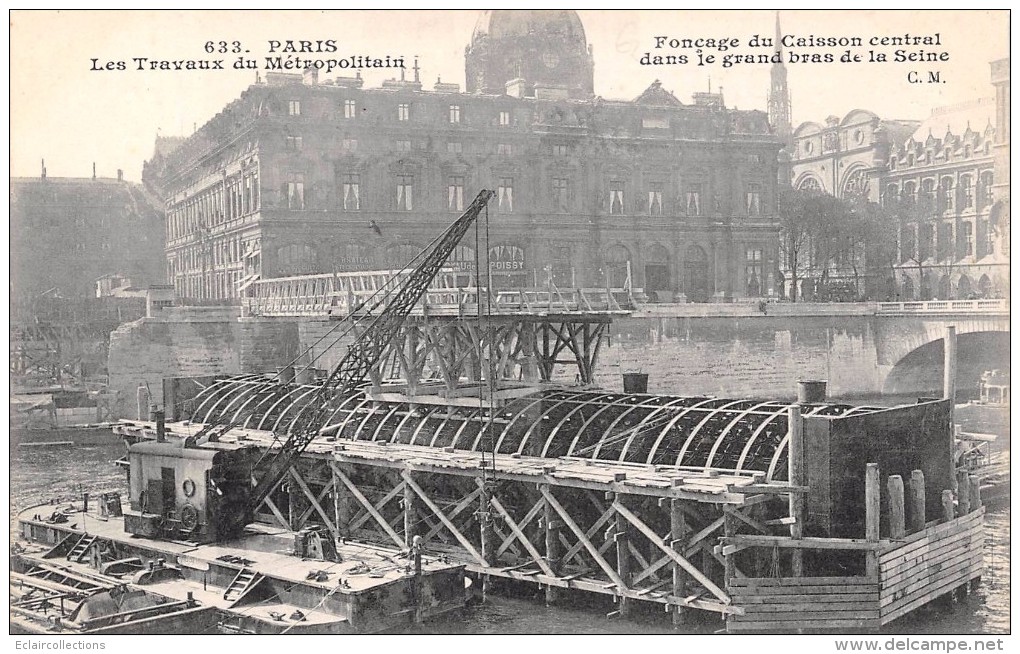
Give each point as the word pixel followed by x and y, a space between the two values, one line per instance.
pixel 795 49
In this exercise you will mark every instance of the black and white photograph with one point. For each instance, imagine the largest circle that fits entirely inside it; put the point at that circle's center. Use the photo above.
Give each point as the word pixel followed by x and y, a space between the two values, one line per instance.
pixel 448 323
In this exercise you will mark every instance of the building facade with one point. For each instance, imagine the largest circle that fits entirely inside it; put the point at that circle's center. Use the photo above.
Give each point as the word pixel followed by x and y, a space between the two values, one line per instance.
pixel 942 181
pixel 67 233
pixel 299 176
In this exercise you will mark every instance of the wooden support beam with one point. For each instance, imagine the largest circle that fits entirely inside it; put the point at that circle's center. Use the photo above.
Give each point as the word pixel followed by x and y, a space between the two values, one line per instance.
pixel 521 536
pixel 897 519
pixel 582 538
pixel 963 492
pixel 662 545
pixel 748 520
pixel 311 498
pixel 975 492
pixel 449 525
pixel 916 515
pixel 410 515
pixel 386 527
pixel 948 511
pixel 528 517
pixel 365 517
pixel 735 543
pixel 677 534
pixel 797 477
pixel 552 546
pixel 622 540
pixel 872 507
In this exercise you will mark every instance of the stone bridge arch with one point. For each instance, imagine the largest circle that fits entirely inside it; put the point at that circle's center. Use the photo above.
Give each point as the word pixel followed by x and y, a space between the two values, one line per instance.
pixel 910 351
pixel 898 336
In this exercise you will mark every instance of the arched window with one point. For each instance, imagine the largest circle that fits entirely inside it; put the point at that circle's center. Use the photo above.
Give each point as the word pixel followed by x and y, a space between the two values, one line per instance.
pixel 617 266
pixel 810 184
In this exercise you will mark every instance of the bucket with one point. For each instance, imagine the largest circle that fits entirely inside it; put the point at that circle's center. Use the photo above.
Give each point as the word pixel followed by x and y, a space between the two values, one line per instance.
pixel 635 382
pixel 811 391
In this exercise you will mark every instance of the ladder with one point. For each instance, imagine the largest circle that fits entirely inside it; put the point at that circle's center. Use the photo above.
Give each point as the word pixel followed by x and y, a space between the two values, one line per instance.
pixel 245 579
pixel 81 548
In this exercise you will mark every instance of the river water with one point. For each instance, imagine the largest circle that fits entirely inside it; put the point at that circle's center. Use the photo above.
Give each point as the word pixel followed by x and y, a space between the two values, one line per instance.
pixel 40 474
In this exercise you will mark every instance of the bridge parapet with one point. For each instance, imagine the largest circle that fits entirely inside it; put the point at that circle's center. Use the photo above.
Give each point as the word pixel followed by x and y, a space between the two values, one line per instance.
pixel 452 293
pixel 993 306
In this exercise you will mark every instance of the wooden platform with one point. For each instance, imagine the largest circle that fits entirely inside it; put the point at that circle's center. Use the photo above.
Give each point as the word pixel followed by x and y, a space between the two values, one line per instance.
pixel 913 571
pixel 367 590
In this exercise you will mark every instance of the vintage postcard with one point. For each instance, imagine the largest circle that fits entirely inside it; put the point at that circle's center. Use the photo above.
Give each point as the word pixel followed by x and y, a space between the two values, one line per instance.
pixel 510 321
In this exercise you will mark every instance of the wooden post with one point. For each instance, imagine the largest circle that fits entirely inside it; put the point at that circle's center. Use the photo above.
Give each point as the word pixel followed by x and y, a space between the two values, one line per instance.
pixel 622 538
pixel 948 513
pixel 897 518
pixel 795 470
pixel 872 507
pixel 975 492
pixel 488 536
pixel 963 492
pixel 949 376
pixel 410 514
pixel 678 534
pixel 729 530
pixel 917 515
pixel 552 546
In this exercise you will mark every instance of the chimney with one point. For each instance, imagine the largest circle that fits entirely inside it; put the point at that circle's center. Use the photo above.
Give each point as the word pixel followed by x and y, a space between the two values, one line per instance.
pixel 310 76
pixel 120 175
pixel 93 170
pixel 44 169
pixel 160 417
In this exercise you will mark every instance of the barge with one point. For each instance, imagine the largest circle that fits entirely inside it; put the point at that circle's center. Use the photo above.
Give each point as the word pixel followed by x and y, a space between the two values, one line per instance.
pixel 79 564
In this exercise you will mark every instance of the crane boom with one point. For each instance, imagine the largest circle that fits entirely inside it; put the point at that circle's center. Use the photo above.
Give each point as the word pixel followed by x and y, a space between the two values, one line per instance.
pixel 366 352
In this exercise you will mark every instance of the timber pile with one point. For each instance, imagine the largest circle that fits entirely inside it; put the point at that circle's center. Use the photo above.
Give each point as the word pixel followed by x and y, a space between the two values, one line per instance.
pixel 917 562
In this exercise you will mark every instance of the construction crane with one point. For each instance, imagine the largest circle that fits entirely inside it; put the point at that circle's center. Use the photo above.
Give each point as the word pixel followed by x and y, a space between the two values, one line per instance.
pixel 362 355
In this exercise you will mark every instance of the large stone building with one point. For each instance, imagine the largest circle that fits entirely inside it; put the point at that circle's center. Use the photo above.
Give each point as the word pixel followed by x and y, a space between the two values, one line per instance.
pixel 67 233
pixel 942 180
pixel 301 175
pixel 937 177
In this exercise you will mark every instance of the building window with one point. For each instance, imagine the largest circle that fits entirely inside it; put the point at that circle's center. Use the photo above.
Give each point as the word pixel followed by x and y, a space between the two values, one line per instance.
pixel 404 145
pixel 890 196
pixel 985 196
pixel 615 197
pixel 561 194
pixel 754 271
pixel 352 193
pixel 753 200
pixel 561 270
pixel 455 147
pixel 946 194
pixel 693 200
pixel 928 193
pixel 405 193
pixel 989 239
pixel 944 242
pixel 505 193
pixel 967 237
pixel 966 192
pixel 349 145
pixel 293 142
pixel 296 193
pixel 504 149
pixel 455 194
pixel 454 114
pixel 294 107
pixel 403 111
pixel 655 200
pixel 559 150
pixel 926 242
pixel 504 119
pixel 350 109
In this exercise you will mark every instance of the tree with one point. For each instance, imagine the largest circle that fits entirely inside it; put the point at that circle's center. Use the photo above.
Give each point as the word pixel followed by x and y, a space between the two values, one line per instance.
pixel 810 220
pixel 919 211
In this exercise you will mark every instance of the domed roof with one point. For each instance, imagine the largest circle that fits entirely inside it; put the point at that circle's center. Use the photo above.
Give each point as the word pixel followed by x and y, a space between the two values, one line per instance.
pixel 509 23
